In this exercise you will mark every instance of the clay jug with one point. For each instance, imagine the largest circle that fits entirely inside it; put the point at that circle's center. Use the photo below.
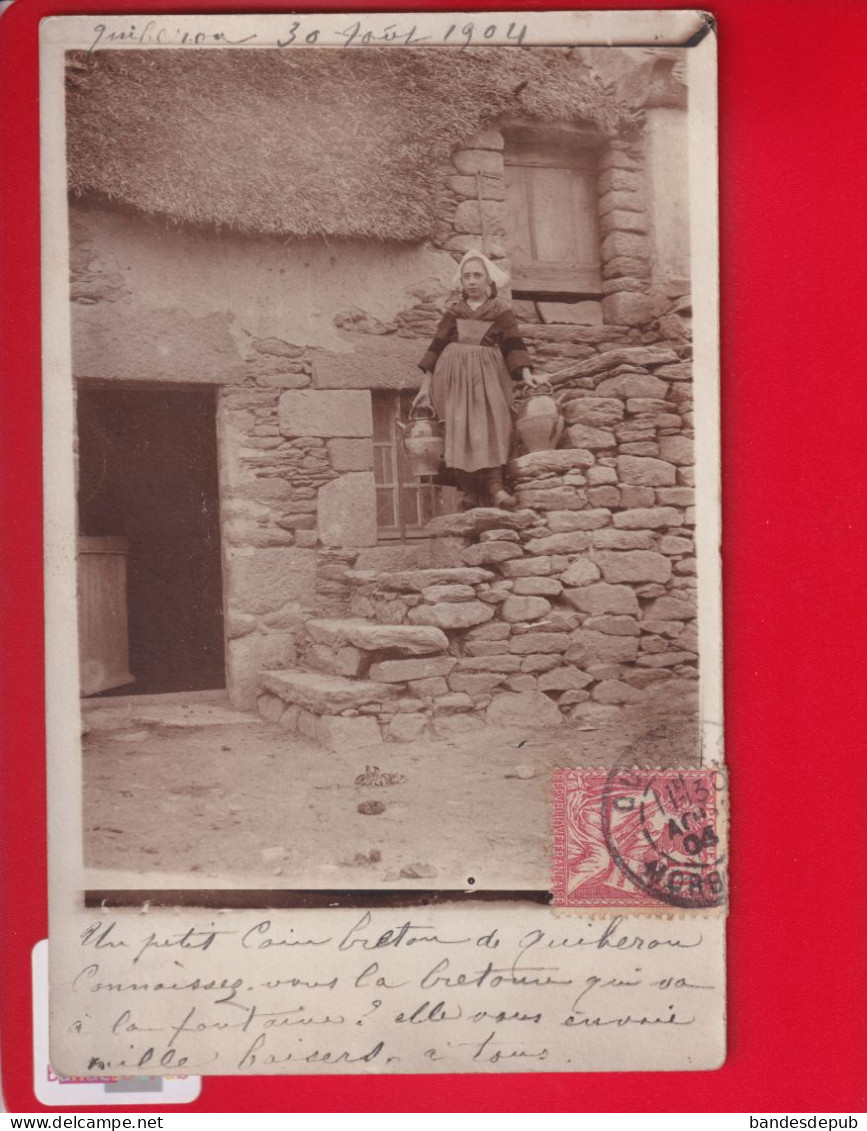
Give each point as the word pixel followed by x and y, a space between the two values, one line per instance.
pixel 538 420
pixel 423 441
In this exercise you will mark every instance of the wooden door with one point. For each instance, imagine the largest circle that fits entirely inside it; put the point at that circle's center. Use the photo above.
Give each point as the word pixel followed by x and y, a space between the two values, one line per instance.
pixel 552 219
pixel 103 635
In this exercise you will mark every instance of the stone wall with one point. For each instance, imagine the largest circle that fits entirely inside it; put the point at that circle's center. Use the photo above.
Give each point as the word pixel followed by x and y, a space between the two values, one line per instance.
pixel 295 335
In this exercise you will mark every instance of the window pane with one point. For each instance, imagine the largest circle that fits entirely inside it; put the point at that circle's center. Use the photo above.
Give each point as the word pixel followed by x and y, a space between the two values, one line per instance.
pixel 385 515
pixel 383 417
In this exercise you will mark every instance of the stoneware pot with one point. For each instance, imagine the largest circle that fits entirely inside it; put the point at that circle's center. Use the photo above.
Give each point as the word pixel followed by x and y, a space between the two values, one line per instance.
pixel 538 420
pixel 423 441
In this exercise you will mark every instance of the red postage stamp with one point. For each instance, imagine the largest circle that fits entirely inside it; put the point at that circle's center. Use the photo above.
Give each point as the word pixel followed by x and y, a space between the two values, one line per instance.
pixel 643 839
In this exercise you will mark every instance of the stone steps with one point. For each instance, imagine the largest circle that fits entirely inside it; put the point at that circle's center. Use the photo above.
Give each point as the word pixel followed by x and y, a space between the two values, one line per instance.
pixel 326 694
pixel 407 640
pixel 415 580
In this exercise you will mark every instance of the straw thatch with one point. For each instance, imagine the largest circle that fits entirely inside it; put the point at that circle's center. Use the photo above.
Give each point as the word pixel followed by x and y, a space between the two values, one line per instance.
pixel 308 142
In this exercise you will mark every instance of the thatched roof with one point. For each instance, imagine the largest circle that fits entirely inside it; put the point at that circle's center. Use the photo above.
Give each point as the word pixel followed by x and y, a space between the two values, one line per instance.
pixel 309 142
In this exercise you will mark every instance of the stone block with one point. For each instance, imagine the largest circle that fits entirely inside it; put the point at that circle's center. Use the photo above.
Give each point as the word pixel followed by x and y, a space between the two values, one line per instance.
pixel 335 732
pixel 679 371
pixel 491 217
pixel 613 625
pixel 493 246
pixel 648 518
pixel 572 542
pixel 523 709
pixel 538 465
pixel 409 640
pixel 564 679
pixel 454 701
pixel 675 496
pixel 667 659
pixel 486 647
pixel 468 162
pixel 499 536
pixel 670 608
pixel 552 498
pixel 627 308
pixel 612 691
pixel 505 663
pixel 671 544
pixel 570 698
pixel 541 662
pixel 604 497
pixel 584 436
pixel 601 476
pixel 401 671
pixel 610 539
pixel 632 385
pixel 323 694
pixel 436 593
pixel 350 455
pixel 428 688
pixel 627 267
pixel 562 522
pixel 452 615
pixel 472 523
pixel 475 683
pixel 603 598
pixel 678 450
pixel 581 572
pixel 489 632
pixel 646 472
pixel 539 642
pixel 600 647
pixel 261 581
pixel 617 219
pixel 321 412
pixel 416 580
pixel 347 510
pixel 516 609
pixel 632 496
pixel 349 661
pixel 536 587
pixel 595 412
pixel 468 188
pixel 270 707
pixel 406 728
pixel 587 313
pixel 632 565
pixel 485 139
pixel 521 683
pixel 528 567
pixel 623 243
pixel 490 553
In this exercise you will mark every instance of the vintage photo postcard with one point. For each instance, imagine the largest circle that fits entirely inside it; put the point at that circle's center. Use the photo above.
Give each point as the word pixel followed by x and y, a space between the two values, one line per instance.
pixel 382 527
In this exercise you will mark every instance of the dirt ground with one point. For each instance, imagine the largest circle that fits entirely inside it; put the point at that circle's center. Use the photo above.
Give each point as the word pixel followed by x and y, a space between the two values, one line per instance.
pixel 198 790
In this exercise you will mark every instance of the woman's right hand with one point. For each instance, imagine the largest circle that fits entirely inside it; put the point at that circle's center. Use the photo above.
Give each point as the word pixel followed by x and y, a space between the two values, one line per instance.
pixel 422 397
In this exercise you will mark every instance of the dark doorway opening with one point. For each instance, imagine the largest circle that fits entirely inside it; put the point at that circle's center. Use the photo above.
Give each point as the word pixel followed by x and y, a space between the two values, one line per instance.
pixel 148 481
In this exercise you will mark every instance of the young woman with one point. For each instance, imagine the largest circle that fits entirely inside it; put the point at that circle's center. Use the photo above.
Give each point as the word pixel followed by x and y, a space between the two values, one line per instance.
pixel 469 368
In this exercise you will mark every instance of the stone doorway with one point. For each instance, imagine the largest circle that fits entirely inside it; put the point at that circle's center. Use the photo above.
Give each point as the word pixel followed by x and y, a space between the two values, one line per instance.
pixel 148 490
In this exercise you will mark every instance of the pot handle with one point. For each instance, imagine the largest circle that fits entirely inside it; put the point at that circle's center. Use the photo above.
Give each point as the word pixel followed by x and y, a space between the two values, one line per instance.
pixel 417 413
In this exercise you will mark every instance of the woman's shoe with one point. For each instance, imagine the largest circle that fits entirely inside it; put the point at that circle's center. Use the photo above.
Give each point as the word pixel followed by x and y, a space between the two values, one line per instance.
pixel 504 500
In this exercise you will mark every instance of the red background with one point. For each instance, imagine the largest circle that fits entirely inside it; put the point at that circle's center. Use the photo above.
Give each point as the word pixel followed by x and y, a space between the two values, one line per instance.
pixel 793 190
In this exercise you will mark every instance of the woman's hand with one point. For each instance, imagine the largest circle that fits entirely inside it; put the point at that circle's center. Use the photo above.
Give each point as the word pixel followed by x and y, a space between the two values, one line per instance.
pixel 530 379
pixel 422 397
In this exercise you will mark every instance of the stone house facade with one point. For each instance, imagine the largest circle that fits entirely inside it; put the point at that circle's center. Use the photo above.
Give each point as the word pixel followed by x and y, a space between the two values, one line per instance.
pixel 302 352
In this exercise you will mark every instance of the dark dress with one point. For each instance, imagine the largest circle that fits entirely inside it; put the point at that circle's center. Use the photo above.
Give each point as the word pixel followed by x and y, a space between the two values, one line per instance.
pixel 474 358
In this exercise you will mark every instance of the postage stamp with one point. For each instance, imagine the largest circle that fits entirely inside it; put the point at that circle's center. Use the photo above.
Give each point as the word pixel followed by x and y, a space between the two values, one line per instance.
pixel 637 838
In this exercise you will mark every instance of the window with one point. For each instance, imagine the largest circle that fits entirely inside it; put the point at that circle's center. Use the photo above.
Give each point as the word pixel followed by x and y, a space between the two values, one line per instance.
pixel 404 504
pixel 551 208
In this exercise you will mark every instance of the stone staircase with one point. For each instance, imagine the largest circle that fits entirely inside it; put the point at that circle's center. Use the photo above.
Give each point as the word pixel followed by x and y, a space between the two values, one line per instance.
pixel 559 610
